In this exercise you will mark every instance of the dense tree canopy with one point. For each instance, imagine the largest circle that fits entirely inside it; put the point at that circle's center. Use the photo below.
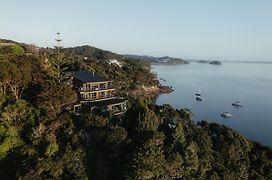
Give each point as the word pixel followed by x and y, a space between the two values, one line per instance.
pixel 41 139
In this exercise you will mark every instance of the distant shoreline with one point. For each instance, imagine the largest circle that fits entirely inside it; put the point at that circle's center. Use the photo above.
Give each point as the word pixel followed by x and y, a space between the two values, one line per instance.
pixel 242 62
pixel 249 62
pixel 153 90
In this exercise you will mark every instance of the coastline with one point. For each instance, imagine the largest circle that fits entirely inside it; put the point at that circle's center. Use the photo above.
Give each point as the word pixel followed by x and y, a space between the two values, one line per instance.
pixel 156 90
pixel 153 90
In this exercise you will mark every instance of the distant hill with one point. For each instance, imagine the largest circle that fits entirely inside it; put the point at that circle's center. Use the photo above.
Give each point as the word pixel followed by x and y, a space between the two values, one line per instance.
pixel 13 47
pixel 162 60
pixel 10 47
pixel 91 52
pixel 3 41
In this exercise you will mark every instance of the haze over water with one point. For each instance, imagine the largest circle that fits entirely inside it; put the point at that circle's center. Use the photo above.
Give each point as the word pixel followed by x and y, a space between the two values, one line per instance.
pixel 250 83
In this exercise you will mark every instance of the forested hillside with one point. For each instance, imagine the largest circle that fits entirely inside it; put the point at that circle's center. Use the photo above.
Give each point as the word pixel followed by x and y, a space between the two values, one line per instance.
pixel 41 140
pixel 160 60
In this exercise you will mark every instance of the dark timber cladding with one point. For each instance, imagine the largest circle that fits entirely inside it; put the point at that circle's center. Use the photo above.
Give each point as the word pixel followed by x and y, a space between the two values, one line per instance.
pixel 87 76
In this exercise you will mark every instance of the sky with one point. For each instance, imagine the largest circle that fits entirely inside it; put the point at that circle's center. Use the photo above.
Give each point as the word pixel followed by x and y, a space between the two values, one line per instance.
pixel 236 30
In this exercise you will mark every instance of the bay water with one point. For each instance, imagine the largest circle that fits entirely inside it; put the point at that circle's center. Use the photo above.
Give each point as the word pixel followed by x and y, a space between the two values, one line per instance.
pixel 220 86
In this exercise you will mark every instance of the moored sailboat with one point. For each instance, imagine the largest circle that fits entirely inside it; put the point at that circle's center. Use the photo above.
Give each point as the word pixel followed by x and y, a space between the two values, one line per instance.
pixel 226 115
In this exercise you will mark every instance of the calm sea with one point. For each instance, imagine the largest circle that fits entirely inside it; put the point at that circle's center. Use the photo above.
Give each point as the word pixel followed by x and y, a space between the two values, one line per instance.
pixel 250 83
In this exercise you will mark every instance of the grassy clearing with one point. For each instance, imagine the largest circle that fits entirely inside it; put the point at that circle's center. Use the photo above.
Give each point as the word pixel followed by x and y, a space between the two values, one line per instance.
pixel 11 49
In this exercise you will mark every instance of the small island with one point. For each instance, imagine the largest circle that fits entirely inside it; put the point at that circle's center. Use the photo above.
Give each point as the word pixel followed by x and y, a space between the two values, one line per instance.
pixel 215 63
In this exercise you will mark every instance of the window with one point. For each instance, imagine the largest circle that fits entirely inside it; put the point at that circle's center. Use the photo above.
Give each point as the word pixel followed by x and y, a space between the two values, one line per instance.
pixel 89 86
pixel 93 95
pixel 95 87
pixel 78 109
pixel 89 96
pixel 110 94
pixel 102 86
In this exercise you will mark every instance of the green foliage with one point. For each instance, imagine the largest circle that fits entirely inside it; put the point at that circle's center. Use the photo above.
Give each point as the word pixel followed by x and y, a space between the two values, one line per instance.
pixel 10 141
pixel 191 158
pixel 54 96
pixel 15 49
pixel 116 136
pixel 178 134
pixel 146 121
pixel 147 163
pixel 41 139
pixel 13 120
pixel 141 119
pixel 95 120
pixel 51 149
pixel 132 75
pixel 16 75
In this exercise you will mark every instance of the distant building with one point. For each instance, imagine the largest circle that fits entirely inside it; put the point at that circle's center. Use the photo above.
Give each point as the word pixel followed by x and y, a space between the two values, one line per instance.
pixel 114 61
pixel 95 93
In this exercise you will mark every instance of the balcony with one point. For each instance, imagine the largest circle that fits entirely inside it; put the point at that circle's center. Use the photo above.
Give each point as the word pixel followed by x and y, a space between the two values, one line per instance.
pixel 81 89
pixel 101 98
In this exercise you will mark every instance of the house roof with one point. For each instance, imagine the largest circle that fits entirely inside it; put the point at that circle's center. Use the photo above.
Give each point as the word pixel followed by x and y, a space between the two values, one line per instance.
pixel 86 77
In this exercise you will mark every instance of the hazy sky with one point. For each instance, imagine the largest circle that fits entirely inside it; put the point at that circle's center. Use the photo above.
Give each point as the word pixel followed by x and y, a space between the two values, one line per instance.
pixel 196 29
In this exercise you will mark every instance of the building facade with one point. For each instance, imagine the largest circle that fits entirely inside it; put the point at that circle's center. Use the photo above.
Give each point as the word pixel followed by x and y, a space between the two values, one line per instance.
pixel 95 93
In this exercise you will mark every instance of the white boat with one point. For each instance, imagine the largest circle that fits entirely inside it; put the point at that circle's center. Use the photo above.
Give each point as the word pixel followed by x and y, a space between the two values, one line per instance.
pixel 199 98
pixel 237 104
pixel 226 114
pixel 198 93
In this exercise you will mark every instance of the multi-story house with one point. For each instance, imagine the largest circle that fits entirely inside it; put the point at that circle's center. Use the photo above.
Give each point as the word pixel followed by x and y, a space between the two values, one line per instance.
pixel 95 93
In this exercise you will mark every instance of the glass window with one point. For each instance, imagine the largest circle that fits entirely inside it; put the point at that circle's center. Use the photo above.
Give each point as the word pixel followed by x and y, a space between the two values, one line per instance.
pixel 102 94
pixel 102 86
pixel 89 86
pixel 82 96
pixel 93 95
pixel 95 87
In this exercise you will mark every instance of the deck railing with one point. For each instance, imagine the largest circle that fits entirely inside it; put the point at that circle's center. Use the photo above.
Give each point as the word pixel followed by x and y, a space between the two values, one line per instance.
pixel 81 89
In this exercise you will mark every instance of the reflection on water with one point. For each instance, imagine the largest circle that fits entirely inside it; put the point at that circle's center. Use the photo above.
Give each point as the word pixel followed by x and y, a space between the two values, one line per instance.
pixel 220 86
